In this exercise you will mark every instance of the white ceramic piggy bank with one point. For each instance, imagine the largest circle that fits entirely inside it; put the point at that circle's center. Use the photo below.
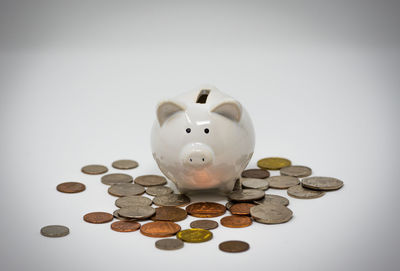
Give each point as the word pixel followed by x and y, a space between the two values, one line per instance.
pixel 202 139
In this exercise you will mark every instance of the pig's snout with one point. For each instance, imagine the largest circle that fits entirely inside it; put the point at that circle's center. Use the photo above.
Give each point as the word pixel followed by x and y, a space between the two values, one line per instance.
pixel 197 155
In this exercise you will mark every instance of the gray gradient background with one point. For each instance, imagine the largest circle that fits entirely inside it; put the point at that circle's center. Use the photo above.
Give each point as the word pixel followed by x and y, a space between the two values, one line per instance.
pixel 79 82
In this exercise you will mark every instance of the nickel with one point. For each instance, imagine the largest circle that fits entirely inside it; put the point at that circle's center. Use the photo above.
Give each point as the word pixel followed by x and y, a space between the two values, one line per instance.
pixel 115 178
pixel 282 182
pixel 269 213
pixel 322 183
pixel 255 173
pixel 150 180
pixel 133 201
pixel 125 164
pixel 171 200
pixel 126 189
pixel 246 195
pixel 254 183
pixel 94 169
pixel 54 231
pixel 296 171
pixel 301 192
pixel 204 224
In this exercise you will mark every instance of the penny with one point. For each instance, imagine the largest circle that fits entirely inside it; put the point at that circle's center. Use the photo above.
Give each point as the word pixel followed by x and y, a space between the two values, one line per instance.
pixel 206 209
pixel 125 164
pixel 133 201
pixel 150 180
pixel 94 169
pixel 98 217
pixel 282 182
pixel 159 190
pixel 246 195
pixel 204 224
pixel 234 246
pixel 54 231
pixel 117 216
pixel 322 183
pixel 301 192
pixel 71 187
pixel 169 213
pixel 270 198
pixel 115 178
pixel 169 244
pixel 254 183
pixel 241 208
pixel 273 163
pixel 137 212
pixel 125 226
pixel 126 189
pixel 296 171
pixel 255 173
pixel 194 235
pixel 171 200
pixel 236 221
pixel 160 229
pixel 270 213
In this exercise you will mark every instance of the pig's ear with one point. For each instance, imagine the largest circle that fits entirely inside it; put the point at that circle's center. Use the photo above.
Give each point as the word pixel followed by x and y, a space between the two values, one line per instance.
pixel 166 109
pixel 231 109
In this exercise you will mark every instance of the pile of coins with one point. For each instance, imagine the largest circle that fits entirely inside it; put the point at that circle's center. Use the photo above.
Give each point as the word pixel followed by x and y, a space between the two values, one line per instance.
pixel 248 203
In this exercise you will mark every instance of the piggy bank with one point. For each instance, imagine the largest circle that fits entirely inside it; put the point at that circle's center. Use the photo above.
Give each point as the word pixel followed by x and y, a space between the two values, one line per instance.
pixel 202 140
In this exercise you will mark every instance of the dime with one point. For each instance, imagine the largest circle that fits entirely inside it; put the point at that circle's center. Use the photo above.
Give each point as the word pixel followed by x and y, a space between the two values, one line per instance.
pixel 273 163
pixel 296 171
pixel 301 192
pixel 282 182
pixel 125 164
pixel 125 226
pixel 269 198
pixel 160 229
pixel 150 180
pixel 126 189
pixel 94 169
pixel 171 200
pixel 169 213
pixel 241 208
pixel 137 212
pixel 71 187
pixel 234 246
pixel 195 235
pixel 133 201
pixel 322 183
pixel 270 213
pixel 246 195
pixel 255 173
pixel 236 221
pixel 54 231
pixel 115 178
pixel 254 183
pixel 159 190
pixel 98 217
pixel 169 244
pixel 204 224
pixel 206 209
pixel 117 216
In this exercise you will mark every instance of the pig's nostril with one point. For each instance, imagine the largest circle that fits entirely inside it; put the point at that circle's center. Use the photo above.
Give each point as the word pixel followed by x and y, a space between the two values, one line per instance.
pixel 203 159
pixel 190 159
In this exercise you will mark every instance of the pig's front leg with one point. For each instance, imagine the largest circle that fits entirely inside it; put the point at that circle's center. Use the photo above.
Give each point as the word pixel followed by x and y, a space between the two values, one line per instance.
pixel 229 186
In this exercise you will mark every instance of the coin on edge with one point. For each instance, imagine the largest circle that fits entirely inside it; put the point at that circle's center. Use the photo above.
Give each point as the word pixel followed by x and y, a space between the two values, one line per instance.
pixel 273 163
pixel 159 190
pixel 169 244
pixel 115 178
pixel 125 164
pixel 242 208
pixel 98 217
pixel 205 209
pixel 133 201
pixel 171 200
pixel 282 182
pixel 150 180
pixel 296 171
pixel 160 229
pixel 125 189
pixel 169 213
pixel 236 221
pixel 254 183
pixel 301 192
pixel 137 212
pixel 194 235
pixel 94 169
pixel 270 198
pixel 246 195
pixel 322 183
pixel 125 226
pixel 234 246
pixel 255 173
pixel 270 213
pixel 205 224
pixel 54 231
pixel 71 187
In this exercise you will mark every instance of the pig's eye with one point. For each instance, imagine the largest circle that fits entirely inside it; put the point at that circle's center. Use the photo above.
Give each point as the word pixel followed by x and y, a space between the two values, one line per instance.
pixel 206 130
pixel 188 130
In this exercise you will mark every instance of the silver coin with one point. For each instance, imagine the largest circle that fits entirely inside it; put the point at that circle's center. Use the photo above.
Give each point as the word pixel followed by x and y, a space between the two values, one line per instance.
pixel 255 183
pixel 169 244
pixel 115 178
pixel 269 198
pixel 229 204
pixel 137 212
pixel 282 182
pixel 171 200
pixel 133 201
pixel 246 195
pixel 296 171
pixel 270 213
pixel 205 224
pixel 117 216
pixel 237 186
pixel 54 231
pixel 126 189
pixel 125 164
pixel 159 190
pixel 301 192
pixel 150 180
pixel 322 183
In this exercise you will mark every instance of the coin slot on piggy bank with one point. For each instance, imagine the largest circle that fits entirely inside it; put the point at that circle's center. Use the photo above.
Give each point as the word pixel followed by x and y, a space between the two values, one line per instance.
pixel 202 98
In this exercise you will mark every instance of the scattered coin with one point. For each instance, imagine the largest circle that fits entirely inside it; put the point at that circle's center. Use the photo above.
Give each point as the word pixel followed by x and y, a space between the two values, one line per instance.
pixel 246 195
pixel 126 189
pixel 238 185
pixel 234 246
pixel 125 164
pixel 71 187
pixel 54 231
pixel 115 178
pixel 137 212
pixel 322 183
pixel 282 182
pixel 301 192
pixel 171 200
pixel 296 171
pixel 125 226
pixel 169 213
pixel 169 244
pixel 117 216
pixel 273 163
pixel 160 229
pixel 205 224
pixel 206 209
pixel 270 213
pixel 236 221
pixel 159 190
pixel 150 180
pixel 94 169
pixel 255 173
pixel 98 217
pixel 254 183
pixel 194 235
pixel 242 208
pixel 270 198
pixel 133 201
pixel 229 204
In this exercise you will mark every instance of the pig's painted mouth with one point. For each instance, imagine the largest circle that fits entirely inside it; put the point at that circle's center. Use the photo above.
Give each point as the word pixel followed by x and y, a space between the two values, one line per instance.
pixel 202 179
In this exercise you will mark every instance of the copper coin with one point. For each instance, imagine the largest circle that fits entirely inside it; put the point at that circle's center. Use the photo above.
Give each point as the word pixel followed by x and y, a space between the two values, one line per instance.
pixel 126 189
pixel 246 195
pixel 204 224
pixel 115 178
pixel 241 208
pixel 296 171
pixel 150 180
pixel 206 209
pixel 125 164
pixel 160 229
pixel 169 213
pixel 270 198
pixel 94 169
pixel 234 246
pixel 169 244
pixel 282 182
pixel 255 173
pixel 71 187
pixel 236 221
pixel 98 217
pixel 125 226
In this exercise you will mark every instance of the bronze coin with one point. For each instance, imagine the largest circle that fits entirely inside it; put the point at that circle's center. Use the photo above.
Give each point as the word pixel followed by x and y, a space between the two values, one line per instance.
pixel 71 187
pixel 206 209
pixel 98 217
pixel 125 164
pixel 125 226
pixel 94 169
pixel 169 213
pixel 204 224
pixel 234 246
pixel 115 178
pixel 150 180
pixel 282 182
pixel 160 229
pixel 241 208
pixel 255 173
pixel 125 189
pixel 236 221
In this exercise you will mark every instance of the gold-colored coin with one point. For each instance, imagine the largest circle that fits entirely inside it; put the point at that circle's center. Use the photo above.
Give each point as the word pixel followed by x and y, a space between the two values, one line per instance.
pixel 194 235
pixel 273 163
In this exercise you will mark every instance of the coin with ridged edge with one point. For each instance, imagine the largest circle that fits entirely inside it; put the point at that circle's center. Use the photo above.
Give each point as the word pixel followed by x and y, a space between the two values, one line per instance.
pixel 296 171
pixel 94 169
pixel 160 229
pixel 159 190
pixel 270 213
pixel 301 192
pixel 246 195
pixel 169 244
pixel 71 187
pixel 270 198
pixel 234 246
pixel 322 183
pixel 169 213
pixel 125 189
pixel 205 209
pixel 236 221
pixel 171 200
pixel 125 164
pixel 194 235
pixel 282 182
pixel 125 226
pixel 255 173
pixel 150 180
pixel 115 178
pixel 54 231
pixel 137 212
pixel 133 201
pixel 254 183
pixel 273 163
pixel 205 224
